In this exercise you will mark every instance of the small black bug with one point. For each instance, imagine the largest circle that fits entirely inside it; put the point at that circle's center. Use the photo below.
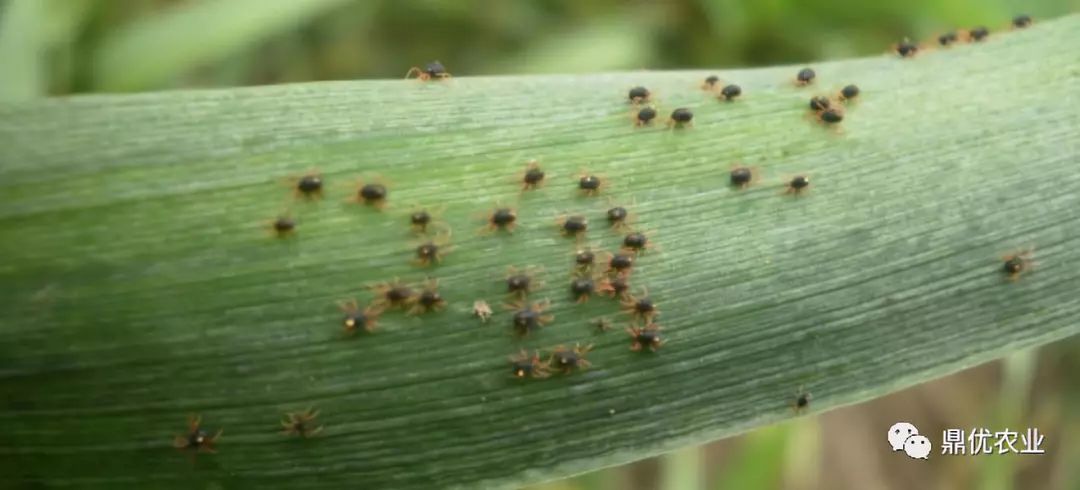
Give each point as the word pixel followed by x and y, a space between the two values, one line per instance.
pixel 429 299
pixel 710 82
pixel 570 359
pixel 357 319
pixel 620 263
pixel 831 115
pixel 906 48
pixel 533 176
pixel 420 219
pixel 637 242
pixel 283 226
pixel 979 33
pixel 617 287
pixel 521 282
pixel 573 226
pixel 849 92
pixel 432 251
pixel 373 194
pixel 618 217
pixel 501 218
pixel 524 365
pixel 1017 263
pixel 431 71
pixel 947 38
pixel 819 103
pixel 641 306
pixel 645 116
pixel 529 317
pixel 1021 21
pixel 590 184
pixel 805 76
pixel 301 424
pixel 645 337
pixel 639 94
pixel 742 177
pixel 801 401
pixel 797 185
pixel 196 437
pixel 681 117
pixel 393 295
pixel 729 92
pixel 309 186
pixel 581 288
pixel 584 259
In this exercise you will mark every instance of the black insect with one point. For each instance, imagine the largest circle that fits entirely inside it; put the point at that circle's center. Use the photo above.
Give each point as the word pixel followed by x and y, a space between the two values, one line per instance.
pixel 301 424
pixel 906 48
pixel 637 242
pixel 819 103
pixel 524 365
pixel 373 194
pixel 393 295
pixel 849 92
pixel 801 401
pixel 432 251
pixel 645 337
pixel 573 226
pixel 644 116
pixel 309 186
pixel 429 299
pixel 639 94
pixel 500 218
pixel 742 177
pixel 730 92
pixel 584 259
pixel 710 82
pixel 1021 21
pixel 620 263
pixel 641 307
pixel 568 359
pixel 590 184
pixel 805 76
pixel 830 116
pixel 196 437
pixel 420 219
pixel 533 177
pixel 529 317
pixel 1017 263
pixel 681 117
pixel 979 33
pixel 582 287
pixel 431 71
pixel 521 282
pixel 357 319
pixel 797 185
pixel 617 287
pixel 283 226
pixel 947 38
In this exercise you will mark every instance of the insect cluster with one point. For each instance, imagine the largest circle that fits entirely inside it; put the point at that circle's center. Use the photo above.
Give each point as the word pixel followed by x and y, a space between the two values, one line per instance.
pixel 907 48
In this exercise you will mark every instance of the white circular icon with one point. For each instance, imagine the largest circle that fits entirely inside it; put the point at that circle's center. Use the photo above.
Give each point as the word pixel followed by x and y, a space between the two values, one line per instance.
pixel 917 447
pixel 899 433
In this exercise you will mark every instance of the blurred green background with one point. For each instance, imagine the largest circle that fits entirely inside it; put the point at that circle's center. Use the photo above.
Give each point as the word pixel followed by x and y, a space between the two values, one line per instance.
pixel 62 47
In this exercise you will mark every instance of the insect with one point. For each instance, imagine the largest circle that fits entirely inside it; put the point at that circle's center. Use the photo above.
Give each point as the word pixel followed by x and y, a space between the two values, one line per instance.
pixel 641 307
pixel 819 103
pixel 906 48
pixel 1017 263
pixel 533 176
pixel 569 359
pixel 301 424
pixel 1021 21
pixel 797 185
pixel 584 259
pixel 645 337
pixel 710 82
pixel 309 185
pixel 616 287
pixel 830 116
pixel 805 76
pixel 529 317
pixel 521 282
pixel 429 299
pixel 620 263
pixel 590 184
pixel 849 92
pixel 283 226
pixel 432 251
pixel 637 242
pixel 742 177
pixel 481 310
pixel 730 92
pixel 431 71
pixel 582 286
pixel 372 193
pixel 573 226
pixel 639 94
pixel 500 218
pixel 801 401
pixel 644 116
pixel 356 319
pixel 947 38
pixel 523 365
pixel 196 437
pixel 978 33
pixel 681 117
pixel 393 295
pixel 421 218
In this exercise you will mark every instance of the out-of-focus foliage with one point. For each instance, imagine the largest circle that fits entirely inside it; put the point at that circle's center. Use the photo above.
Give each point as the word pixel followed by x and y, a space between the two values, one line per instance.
pixel 111 45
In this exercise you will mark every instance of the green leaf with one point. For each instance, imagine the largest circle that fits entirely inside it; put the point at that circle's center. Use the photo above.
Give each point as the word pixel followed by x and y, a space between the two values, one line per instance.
pixel 140 283
pixel 22 50
pixel 155 51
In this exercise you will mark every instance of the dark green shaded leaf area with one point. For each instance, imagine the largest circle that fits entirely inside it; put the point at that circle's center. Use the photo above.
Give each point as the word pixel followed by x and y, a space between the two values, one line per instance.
pixel 140 283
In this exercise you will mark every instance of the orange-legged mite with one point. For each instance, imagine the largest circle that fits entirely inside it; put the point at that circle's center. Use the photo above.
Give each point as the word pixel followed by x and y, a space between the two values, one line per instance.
pixel 301 424
pixel 429 299
pixel 639 94
pixel 533 176
pixel 589 184
pixel 797 185
pixel 641 306
pixel 582 287
pixel 584 259
pixel 620 264
pixel 644 116
pixel 501 219
pixel 521 282
pixel 742 176
pixel 647 337
pixel 572 226
pixel 801 401
pixel 1017 263
pixel 283 226
pixel 422 218
pixel 638 242
pixel 394 294
pixel 307 186
pixel 710 83
pixel 617 287
pixel 431 71
pixel 681 117
pixel 805 76
pixel 196 437
pixel 432 251
pixel 523 365
pixel 618 216
pixel 848 93
pixel 568 359
pixel 373 193
pixel 357 319
pixel 529 317
pixel 906 48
